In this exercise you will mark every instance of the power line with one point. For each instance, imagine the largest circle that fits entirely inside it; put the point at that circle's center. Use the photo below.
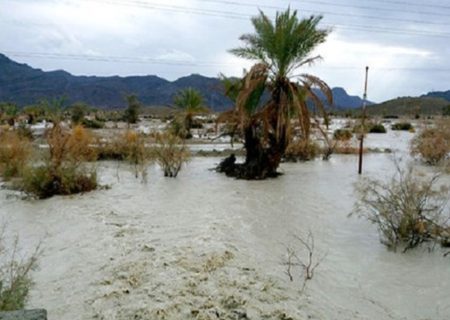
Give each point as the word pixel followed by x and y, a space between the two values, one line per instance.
pixel 240 16
pixel 233 15
pixel 174 7
pixel 147 60
pixel 332 4
pixel 409 3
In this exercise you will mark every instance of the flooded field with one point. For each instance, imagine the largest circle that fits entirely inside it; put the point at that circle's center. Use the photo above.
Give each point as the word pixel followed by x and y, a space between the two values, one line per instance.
pixel 204 246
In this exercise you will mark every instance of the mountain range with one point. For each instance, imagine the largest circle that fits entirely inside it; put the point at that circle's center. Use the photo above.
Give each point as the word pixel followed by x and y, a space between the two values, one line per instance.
pixel 24 85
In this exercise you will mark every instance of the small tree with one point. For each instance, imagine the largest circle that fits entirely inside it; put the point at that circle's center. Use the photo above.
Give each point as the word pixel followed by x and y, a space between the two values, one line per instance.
pixel 446 110
pixel 131 114
pixel 77 113
pixel 9 112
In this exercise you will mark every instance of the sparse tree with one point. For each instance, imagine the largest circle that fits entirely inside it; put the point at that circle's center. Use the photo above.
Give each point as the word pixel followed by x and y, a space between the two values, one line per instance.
pixel 131 114
pixel 9 112
pixel 78 112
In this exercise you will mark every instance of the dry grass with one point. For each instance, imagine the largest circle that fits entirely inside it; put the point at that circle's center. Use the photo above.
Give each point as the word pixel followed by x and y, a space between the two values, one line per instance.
pixel 15 150
pixel 301 150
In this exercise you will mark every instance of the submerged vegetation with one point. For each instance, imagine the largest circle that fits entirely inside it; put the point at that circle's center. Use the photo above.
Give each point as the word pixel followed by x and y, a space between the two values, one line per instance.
pixel 61 170
pixel 432 144
pixel 170 152
pixel 408 210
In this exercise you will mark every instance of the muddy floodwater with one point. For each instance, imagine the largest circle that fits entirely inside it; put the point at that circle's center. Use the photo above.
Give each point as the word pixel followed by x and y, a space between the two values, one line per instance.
pixel 204 246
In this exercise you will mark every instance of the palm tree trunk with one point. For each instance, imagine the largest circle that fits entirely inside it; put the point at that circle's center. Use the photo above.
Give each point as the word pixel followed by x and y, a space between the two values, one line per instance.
pixel 261 162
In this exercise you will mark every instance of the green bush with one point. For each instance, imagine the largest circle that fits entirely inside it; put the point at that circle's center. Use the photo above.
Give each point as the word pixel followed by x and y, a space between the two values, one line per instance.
pixel 15 280
pixel 446 110
pixel 403 126
pixel 93 124
pixel 377 128
pixel 44 182
pixel 342 134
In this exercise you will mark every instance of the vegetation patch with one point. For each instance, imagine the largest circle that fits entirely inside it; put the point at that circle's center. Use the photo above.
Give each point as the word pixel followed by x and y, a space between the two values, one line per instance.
pixel 432 145
pixel 170 153
pixel 408 210
pixel 15 275
pixel 342 134
pixel 302 150
pixel 402 126
pixel 15 151
pixel 61 171
pixel 377 128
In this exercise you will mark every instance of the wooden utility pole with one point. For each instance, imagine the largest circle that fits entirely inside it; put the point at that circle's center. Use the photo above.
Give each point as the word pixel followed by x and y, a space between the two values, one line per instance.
pixel 361 141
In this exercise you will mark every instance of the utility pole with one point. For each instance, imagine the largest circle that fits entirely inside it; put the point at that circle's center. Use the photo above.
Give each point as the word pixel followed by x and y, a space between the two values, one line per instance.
pixel 361 141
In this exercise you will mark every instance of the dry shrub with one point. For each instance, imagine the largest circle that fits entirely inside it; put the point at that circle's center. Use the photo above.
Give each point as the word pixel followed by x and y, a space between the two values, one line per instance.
pixel 62 172
pixel 346 147
pixel 301 150
pixel 170 153
pixel 80 145
pixel 432 144
pixel 408 210
pixel 133 146
pixel 129 146
pixel 302 255
pixel 15 280
pixel 74 146
pixel 15 150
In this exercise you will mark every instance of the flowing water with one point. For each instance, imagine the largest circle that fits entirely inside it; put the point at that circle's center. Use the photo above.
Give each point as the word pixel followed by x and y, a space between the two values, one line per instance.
pixel 139 246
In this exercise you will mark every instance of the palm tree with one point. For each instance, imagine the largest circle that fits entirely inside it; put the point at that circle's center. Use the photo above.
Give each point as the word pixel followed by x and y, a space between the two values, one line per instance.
pixel 190 101
pixel 280 49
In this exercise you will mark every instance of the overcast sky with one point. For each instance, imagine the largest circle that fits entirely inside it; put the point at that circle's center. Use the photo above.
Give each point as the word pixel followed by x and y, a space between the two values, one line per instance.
pixel 405 43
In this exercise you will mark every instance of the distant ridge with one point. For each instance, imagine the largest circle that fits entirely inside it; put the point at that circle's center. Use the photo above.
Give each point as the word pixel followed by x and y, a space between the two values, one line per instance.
pixel 24 85
pixel 439 94
pixel 427 105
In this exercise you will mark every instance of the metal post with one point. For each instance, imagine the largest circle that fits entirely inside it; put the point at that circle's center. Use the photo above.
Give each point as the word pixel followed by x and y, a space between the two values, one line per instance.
pixel 361 141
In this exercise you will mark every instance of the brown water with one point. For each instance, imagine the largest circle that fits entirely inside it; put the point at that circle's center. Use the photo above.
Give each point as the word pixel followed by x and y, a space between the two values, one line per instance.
pixel 147 246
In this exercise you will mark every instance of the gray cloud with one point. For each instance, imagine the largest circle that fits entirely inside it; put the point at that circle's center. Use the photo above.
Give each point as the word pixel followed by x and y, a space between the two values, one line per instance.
pixel 141 33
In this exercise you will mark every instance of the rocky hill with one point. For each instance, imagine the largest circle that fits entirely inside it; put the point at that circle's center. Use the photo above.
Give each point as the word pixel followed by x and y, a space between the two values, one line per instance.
pixel 24 85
